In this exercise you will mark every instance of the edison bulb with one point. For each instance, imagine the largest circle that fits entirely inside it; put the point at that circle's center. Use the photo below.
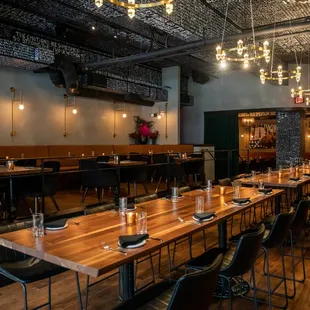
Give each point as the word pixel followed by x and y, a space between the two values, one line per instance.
pixel 99 3
pixel 158 116
pixel 21 107
pixel 124 115
pixel 74 111
pixel 223 64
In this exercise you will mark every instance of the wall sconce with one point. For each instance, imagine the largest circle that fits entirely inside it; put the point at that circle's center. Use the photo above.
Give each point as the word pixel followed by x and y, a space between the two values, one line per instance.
pixel 159 115
pixel 21 107
pixel 74 111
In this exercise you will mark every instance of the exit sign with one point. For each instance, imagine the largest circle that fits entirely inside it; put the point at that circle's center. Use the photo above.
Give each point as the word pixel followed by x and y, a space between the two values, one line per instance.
pixel 299 100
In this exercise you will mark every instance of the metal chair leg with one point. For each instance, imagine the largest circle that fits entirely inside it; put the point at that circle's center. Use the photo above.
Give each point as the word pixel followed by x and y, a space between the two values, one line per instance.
pixel 158 184
pixel 84 195
pixel 49 294
pixel 145 188
pixel 86 295
pixel 25 296
pixel 55 203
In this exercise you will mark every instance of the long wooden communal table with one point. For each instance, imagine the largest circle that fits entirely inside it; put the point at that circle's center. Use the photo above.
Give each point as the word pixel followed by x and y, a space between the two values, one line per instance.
pixel 18 171
pixel 78 247
pixel 273 180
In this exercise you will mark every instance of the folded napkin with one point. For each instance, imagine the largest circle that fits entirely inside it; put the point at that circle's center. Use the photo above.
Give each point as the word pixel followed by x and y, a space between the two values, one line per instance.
pixel 56 224
pixel 125 241
pixel 265 190
pixel 241 200
pixel 248 176
pixel 203 216
pixel 294 179
pixel 307 174
pixel 131 206
pixel 169 196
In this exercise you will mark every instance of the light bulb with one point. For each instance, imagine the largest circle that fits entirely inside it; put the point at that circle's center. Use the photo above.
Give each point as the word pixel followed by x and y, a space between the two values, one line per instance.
pixel 240 47
pixel 124 115
pixel 169 8
pixel 158 116
pixel 292 92
pixel 131 13
pixel 93 27
pixel 131 10
pixel 99 3
pixel 218 52
pixel 246 61
pixel 21 106
pixel 223 64
pixel 74 110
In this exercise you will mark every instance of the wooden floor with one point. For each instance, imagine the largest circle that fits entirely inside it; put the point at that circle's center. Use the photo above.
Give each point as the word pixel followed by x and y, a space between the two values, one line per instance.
pixel 105 295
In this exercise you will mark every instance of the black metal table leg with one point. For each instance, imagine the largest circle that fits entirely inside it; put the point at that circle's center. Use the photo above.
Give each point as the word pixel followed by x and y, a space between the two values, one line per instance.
pixel 278 204
pixel 12 205
pixel 127 281
pixel 222 230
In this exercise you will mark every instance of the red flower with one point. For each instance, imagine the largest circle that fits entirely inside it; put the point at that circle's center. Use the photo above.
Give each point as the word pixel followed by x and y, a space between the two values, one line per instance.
pixel 144 130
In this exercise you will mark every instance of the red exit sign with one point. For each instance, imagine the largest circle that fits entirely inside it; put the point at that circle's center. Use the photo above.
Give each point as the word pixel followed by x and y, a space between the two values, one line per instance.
pixel 299 100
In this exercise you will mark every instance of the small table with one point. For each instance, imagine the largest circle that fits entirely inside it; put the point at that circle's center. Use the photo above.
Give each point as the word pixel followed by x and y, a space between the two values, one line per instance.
pixel 18 171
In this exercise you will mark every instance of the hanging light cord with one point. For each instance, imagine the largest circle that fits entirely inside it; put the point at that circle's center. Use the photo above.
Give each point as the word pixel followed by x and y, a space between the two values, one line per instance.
pixel 272 54
pixel 225 20
pixel 252 25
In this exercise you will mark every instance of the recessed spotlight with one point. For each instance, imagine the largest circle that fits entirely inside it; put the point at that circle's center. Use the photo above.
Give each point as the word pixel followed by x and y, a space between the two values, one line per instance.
pixel 93 27
pixel 115 37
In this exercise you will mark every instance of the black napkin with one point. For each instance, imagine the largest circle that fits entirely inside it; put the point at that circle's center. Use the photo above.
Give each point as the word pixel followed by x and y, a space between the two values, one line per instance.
pixel 56 224
pixel 241 200
pixel 203 216
pixel 168 196
pixel 294 179
pixel 131 206
pixel 247 176
pixel 265 190
pixel 125 241
pixel 307 174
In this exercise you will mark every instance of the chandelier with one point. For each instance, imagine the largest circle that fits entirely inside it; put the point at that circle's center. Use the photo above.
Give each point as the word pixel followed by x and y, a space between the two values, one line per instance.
pixel 243 52
pixel 131 5
pixel 280 75
pixel 248 121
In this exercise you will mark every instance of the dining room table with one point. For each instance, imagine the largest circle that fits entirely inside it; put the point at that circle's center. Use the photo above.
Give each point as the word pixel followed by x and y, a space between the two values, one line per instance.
pixel 79 246
pixel 18 171
pixel 287 180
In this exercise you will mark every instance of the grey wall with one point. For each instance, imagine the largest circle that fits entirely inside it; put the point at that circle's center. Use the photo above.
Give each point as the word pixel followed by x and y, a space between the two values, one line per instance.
pixel 42 120
pixel 236 90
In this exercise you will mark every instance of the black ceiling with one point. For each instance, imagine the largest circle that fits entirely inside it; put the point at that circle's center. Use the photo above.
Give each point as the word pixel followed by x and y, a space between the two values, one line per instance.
pixel 33 31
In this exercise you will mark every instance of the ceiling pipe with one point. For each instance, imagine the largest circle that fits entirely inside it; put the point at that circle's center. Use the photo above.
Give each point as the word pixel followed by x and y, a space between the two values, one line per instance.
pixel 198 45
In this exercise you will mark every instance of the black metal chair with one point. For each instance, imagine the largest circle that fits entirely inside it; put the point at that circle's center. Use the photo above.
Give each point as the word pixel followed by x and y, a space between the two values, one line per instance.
pixel 195 168
pixel 136 174
pixel 97 176
pixel 24 269
pixel 192 291
pixel 236 262
pixel 35 188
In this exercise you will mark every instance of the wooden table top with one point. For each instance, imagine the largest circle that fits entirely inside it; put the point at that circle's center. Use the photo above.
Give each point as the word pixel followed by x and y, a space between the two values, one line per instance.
pixel 188 159
pixel 22 170
pixel 78 247
pixel 274 181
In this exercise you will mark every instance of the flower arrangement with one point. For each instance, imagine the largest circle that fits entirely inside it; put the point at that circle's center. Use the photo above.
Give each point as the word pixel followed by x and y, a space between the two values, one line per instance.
pixel 154 135
pixel 143 129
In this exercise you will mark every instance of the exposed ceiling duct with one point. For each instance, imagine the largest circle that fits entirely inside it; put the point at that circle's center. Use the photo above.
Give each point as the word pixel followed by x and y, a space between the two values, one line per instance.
pixel 196 46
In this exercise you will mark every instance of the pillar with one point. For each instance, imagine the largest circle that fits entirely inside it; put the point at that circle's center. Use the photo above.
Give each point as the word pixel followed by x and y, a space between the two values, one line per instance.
pixel 290 137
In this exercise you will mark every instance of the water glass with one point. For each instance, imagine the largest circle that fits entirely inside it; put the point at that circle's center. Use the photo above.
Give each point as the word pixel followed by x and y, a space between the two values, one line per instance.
pixel 236 192
pixel 253 174
pixel 174 194
pixel 269 169
pixel 115 159
pixel 209 185
pixel 122 205
pixel 141 219
pixel 261 184
pixel 92 153
pixel 38 224
pixel 199 204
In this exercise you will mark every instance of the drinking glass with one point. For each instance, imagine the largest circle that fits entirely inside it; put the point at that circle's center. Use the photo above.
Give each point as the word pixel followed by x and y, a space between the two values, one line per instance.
pixel 261 184
pixel 280 169
pixel 122 205
pixel 236 191
pixel 38 224
pixel 174 194
pixel 69 154
pixel 253 174
pixel 115 159
pixel 269 169
pixel 141 219
pixel 92 153
pixel 209 185
pixel 199 204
